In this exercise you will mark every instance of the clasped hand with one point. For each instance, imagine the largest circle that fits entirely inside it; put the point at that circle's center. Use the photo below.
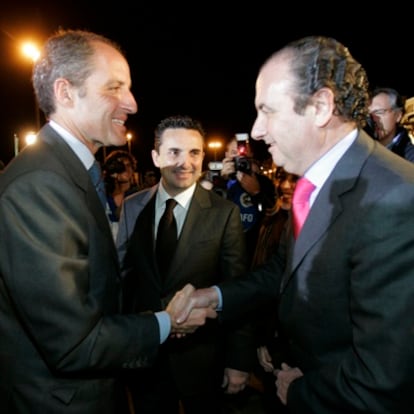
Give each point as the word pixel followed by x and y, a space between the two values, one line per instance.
pixel 189 309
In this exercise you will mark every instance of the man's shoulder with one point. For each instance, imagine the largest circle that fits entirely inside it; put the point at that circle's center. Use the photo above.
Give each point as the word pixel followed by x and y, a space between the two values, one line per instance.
pixel 140 196
pixel 215 199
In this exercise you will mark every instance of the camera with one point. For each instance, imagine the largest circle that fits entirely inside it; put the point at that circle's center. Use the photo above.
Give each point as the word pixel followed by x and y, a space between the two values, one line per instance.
pixel 215 166
pixel 114 166
pixel 214 176
pixel 241 161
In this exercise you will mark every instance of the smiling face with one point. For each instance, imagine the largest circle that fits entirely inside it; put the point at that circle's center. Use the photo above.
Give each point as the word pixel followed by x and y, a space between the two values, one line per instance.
pixel 180 159
pixel 286 132
pixel 285 185
pixel 97 111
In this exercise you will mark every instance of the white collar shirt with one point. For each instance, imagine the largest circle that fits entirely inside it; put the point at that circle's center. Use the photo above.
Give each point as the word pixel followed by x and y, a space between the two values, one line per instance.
pixel 319 172
pixel 180 211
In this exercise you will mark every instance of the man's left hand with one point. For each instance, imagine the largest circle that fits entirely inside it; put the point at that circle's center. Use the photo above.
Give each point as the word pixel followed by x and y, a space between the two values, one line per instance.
pixel 285 376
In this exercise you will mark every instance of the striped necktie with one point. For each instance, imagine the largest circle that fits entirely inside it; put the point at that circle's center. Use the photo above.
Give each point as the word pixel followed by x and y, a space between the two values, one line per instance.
pixel 97 180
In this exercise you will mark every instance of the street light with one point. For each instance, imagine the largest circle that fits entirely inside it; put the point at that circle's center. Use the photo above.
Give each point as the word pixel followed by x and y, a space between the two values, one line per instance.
pixel 215 145
pixel 16 145
pixel 31 51
pixel 30 138
pixel 129 141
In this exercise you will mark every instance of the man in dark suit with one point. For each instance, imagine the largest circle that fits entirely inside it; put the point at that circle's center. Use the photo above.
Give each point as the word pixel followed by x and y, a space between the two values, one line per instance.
pixel 209 248
pixel 344 287
pixel 63 339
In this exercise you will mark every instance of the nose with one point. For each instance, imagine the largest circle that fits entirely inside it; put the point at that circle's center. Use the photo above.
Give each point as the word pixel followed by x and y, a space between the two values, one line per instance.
pixel 130 104
pixel 258 130
pixel 287 184
pixel 183 159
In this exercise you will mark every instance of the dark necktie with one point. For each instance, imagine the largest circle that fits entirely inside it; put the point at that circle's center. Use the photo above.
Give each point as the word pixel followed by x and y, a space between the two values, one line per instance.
pixel 300 204
pixel 166 237
pixel 97 180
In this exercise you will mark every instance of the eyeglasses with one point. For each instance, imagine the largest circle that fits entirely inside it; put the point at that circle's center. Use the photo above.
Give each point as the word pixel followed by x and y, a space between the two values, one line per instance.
pixel 381 112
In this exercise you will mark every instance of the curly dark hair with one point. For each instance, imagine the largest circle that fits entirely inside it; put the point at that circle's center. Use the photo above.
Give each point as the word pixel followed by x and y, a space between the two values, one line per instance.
pixel 175 122
pixel 323 62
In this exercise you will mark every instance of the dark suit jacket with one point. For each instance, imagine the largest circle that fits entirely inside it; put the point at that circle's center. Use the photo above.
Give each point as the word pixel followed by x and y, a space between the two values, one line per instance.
pixel 346 289
pixel 403 146
pixel 210 249
pixel 62 339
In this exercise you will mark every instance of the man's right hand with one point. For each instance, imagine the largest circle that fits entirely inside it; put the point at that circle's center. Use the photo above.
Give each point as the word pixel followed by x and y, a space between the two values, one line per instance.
pixel 188 310
pixel 228 168
pixel 265 360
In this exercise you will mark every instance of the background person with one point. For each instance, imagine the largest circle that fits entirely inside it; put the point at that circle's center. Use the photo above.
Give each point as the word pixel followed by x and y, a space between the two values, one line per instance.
pixel 119 174
pixel 387 110
pixel 270 351
pixel 209 248
pixel 343 288
pixel 63 339
pixel 250 190
pixel 150 178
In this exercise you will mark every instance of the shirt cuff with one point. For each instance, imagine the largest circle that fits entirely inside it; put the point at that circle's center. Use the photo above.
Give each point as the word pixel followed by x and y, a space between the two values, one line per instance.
pixel 164 322
pixel 220 298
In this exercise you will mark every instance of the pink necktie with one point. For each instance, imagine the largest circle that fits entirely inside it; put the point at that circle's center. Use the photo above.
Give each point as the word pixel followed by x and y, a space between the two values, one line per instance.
pixel 300 203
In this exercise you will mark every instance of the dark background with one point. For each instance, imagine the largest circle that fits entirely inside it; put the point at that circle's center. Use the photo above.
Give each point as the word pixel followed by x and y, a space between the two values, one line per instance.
pixel 198 58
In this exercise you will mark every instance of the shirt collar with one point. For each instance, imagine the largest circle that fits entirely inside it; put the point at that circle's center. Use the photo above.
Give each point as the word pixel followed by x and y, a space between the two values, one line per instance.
pixel 78 147
pixel 319 172
pixel 183 198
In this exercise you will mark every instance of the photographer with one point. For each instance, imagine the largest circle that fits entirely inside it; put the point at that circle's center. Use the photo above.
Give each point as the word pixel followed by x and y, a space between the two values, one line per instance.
pixel 247 187
pixel 119 174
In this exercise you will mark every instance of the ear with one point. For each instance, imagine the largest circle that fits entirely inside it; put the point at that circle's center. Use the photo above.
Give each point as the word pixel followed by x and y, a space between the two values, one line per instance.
pixel 398 117
pixel 323 101
pixel 155 155
pixel 63 92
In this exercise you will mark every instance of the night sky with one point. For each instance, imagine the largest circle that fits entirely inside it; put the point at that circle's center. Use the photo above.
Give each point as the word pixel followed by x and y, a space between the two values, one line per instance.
pixel 200 60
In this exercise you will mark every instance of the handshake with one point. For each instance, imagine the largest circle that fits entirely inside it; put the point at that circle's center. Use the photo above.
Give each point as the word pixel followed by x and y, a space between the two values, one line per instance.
pixel 189 308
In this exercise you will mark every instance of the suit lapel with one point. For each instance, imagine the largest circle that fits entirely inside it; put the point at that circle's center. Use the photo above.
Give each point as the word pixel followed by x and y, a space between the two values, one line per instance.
pixel 144 225
pixel 328 204
pixel 193 220
pixel 79 176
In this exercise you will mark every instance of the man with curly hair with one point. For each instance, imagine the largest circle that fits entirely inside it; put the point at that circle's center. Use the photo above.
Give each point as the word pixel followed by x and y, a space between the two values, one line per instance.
pixel 343 286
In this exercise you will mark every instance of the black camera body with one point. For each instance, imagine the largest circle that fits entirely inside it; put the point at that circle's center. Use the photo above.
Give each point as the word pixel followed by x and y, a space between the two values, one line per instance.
pixel 242 164
pixel 114 166
pixel 241 161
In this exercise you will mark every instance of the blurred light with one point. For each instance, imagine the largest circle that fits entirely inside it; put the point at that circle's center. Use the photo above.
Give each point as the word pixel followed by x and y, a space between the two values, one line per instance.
pixel 31 51
pixel 30 138
pixel 215 145
pixel 129 140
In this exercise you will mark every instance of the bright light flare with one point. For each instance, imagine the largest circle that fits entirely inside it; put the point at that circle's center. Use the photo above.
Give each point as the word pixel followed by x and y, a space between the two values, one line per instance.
pixel 30 138
pixel 31 51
